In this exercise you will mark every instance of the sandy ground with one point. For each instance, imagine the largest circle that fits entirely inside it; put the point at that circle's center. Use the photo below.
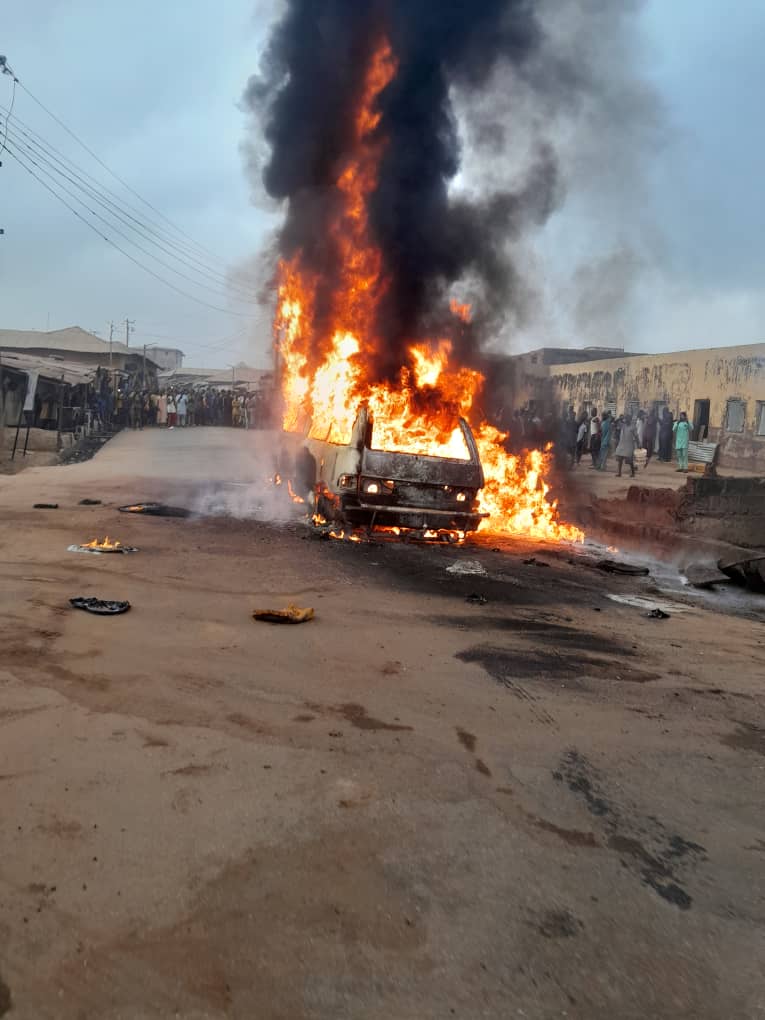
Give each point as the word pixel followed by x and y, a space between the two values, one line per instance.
pixel 412 807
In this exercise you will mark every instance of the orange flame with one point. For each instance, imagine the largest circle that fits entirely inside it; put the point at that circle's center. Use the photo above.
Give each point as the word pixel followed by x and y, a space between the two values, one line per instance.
pixel 107 543
pixel 463 312
pixel 325 376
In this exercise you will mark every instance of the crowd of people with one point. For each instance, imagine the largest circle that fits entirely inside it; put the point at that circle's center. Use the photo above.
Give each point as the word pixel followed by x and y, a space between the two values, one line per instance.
pixel 603 435
pixel 133 406
pixel 187 408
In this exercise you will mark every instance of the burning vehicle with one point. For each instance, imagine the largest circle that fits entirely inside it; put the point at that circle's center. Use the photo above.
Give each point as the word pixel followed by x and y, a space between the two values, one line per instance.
pixel 355 485
pixel 388 281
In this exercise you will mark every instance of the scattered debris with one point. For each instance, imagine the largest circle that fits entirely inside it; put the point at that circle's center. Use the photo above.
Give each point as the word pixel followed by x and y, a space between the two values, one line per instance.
pixel 749 572
pixel 476 599
pixel 90 502
pixel 45 506
pixel 532 561
pixel 657 614
pixel 466 567
pixel 101 607
pixel 292 614
pixel 615 567
pixel 701 575
pixel 155 510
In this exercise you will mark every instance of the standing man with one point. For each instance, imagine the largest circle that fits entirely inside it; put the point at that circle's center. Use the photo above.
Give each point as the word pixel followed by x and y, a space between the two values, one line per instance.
pixel 595 437
pixel 640 427
pixel 649 435
pixel 682 431
pixel 181 406
pixel 581 436
pixel 665 436
pixel 605 439
pixel 625 449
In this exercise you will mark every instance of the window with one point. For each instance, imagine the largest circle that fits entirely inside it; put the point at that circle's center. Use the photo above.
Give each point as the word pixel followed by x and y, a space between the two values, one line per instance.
pixel 761 417
pixel 735 416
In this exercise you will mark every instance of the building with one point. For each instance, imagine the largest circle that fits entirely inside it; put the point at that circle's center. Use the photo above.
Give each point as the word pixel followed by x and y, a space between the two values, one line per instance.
pixel 240 376
pixel 524 377
pixel 77 346
pixel 722 389
pixel 167 359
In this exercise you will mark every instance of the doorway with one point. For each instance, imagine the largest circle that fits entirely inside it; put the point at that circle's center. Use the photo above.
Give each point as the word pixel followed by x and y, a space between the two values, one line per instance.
pixel 700 420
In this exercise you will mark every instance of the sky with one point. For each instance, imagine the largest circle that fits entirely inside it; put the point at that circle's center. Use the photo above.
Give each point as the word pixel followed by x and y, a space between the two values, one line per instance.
pixel 664 255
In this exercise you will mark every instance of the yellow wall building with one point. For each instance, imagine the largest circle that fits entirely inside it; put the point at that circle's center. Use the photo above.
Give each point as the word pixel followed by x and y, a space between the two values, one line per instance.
pixel 722 389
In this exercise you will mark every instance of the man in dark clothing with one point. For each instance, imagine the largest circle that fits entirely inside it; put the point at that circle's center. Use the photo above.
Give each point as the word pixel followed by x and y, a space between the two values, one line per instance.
pixel 665 436
pixel 649 435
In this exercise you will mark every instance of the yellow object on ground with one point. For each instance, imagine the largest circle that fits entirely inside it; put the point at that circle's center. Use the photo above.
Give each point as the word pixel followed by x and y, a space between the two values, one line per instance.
pixel 292 614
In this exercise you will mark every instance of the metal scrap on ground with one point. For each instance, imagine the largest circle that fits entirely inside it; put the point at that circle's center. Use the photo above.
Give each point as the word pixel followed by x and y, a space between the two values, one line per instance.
pixel 101 607
pixel 155 510
pixel 466 567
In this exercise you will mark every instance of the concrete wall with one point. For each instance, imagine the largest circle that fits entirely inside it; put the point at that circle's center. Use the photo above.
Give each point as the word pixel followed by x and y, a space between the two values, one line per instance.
pixel 167 359
pixel 679 380
pixel 731 509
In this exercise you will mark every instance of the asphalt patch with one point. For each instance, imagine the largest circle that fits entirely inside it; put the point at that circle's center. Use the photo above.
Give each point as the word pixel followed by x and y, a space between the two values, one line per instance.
pixel 509 665
pixel 568 637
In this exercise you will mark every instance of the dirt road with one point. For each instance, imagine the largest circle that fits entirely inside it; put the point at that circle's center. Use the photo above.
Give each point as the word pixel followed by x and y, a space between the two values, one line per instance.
pixel 413 807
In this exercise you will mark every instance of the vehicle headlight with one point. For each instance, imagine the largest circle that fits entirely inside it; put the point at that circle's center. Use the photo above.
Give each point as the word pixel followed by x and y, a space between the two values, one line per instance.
pixel 461 497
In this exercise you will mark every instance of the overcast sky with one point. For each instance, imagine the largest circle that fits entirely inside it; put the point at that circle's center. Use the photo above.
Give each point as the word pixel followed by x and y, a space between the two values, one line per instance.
pixel 154 90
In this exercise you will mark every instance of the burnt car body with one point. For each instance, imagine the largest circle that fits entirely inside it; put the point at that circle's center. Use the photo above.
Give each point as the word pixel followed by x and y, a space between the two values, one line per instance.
pixel 358 486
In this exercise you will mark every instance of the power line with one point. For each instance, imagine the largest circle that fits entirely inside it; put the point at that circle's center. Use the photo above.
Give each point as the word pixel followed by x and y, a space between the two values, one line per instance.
pixel 115 175
pixel 44 150
pixel 8 113
pixel 111 226
pixel 113 244
pixel 35 151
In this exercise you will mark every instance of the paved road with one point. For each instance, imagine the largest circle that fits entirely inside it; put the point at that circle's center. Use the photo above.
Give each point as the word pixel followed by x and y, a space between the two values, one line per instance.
pixel 412 807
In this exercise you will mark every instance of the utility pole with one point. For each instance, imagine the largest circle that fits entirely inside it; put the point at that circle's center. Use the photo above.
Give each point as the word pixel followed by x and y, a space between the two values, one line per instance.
pixel 111 337
pixel 144 365
pixel 129 328
pixel 6 69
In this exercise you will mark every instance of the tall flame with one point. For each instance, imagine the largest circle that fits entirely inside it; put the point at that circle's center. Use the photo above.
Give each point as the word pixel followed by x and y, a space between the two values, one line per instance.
pixel 324 374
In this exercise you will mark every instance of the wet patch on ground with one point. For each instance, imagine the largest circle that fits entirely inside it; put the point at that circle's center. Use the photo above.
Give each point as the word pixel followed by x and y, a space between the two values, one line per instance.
pixel 358 716
pixel 559 924
pixel 468 740
pixel 5 998
pixel 747 737
pixel 626 833
pixel 573 837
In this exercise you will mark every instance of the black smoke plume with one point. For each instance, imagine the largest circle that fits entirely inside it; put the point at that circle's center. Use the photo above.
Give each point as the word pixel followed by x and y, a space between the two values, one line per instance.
pixel 431 234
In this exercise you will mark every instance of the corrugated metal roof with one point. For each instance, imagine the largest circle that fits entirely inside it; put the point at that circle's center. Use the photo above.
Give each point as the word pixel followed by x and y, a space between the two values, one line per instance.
pixel 58 370
pixel 72 339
